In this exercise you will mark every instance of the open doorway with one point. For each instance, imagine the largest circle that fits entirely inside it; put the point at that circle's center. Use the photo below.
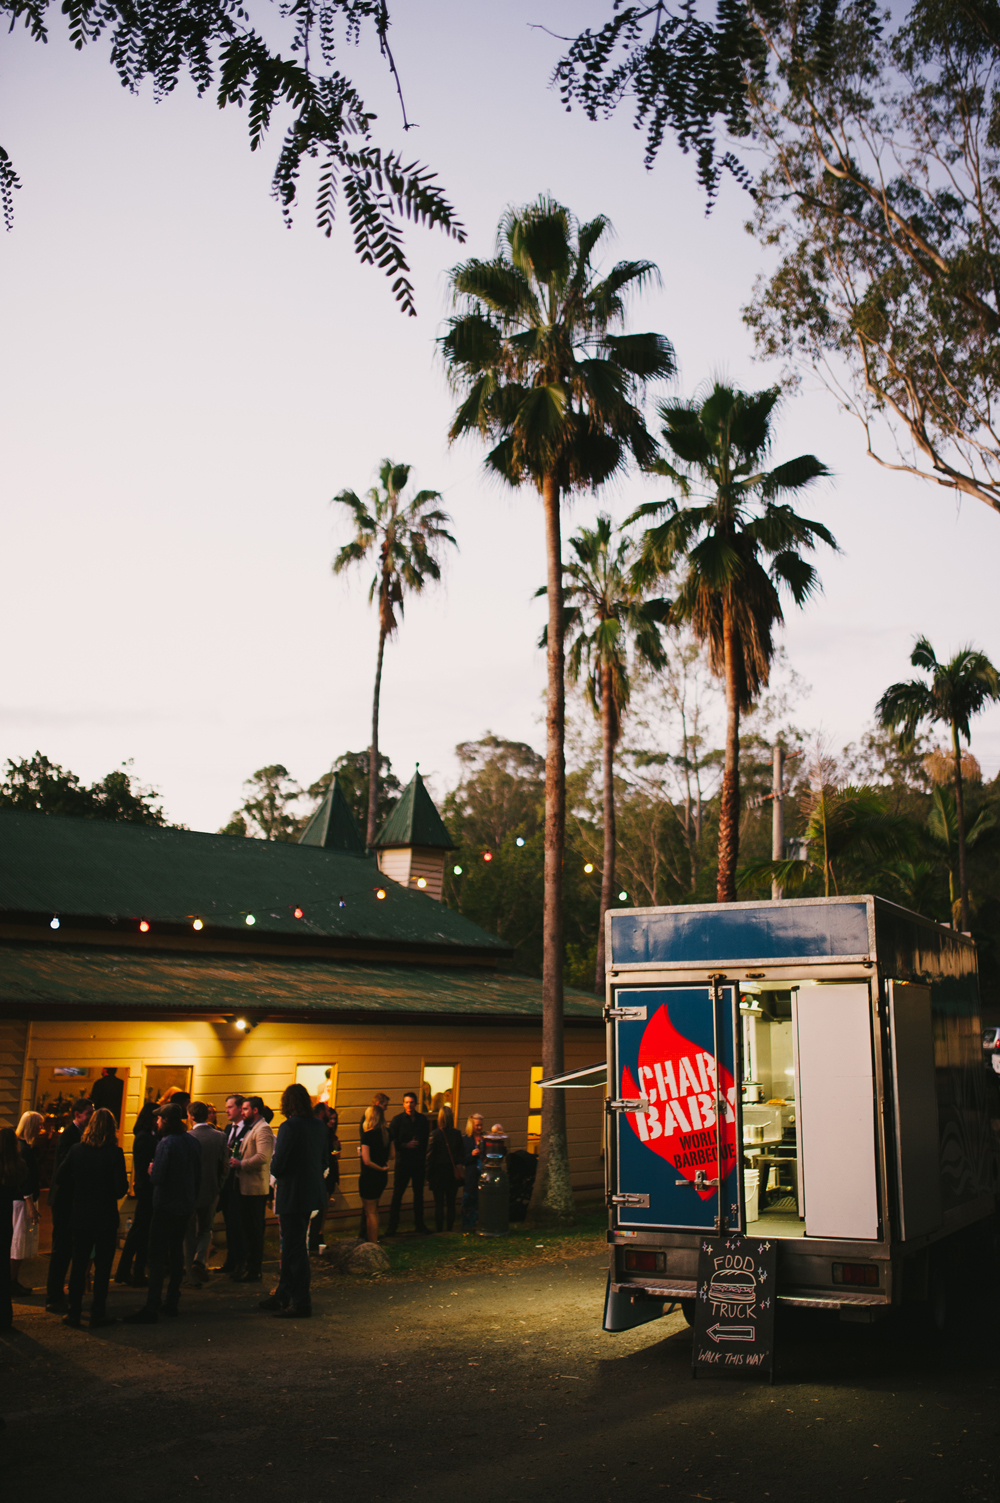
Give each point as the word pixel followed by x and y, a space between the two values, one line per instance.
pixel 771 1160
pixel 809 1112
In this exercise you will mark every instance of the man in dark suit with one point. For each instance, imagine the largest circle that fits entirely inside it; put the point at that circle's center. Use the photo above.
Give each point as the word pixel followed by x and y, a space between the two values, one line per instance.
pixel 409 1131
pixel 107 1092
pixel 229 1200
pixel 300 1156
pixel 60 1199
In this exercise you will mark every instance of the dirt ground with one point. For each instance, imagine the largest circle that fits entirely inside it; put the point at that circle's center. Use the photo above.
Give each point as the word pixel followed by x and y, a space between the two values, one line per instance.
pixel 496 1385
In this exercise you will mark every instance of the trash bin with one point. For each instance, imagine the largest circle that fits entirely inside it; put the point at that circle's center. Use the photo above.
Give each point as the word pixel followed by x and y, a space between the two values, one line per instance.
pixel 521 1169
pixel 494 1188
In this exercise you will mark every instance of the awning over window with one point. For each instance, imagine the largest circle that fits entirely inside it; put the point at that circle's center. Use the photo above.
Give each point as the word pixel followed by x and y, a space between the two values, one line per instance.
pixel 590 1075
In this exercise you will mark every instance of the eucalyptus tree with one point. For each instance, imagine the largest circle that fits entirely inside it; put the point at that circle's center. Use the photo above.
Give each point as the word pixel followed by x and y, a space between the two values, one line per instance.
pixel 548 377
pixel 878 133
pixel 404 538
pixel 609 619
pixel 951 694
pixel 740 545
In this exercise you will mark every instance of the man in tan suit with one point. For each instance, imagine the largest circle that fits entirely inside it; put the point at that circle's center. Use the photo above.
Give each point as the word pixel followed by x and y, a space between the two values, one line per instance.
pixel 253 1181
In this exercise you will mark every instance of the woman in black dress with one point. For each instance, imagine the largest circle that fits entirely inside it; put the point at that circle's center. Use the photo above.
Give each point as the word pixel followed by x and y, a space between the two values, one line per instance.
pixel 445 1154
pixel 94 1174
pixel 132 1263
pixel 376 1151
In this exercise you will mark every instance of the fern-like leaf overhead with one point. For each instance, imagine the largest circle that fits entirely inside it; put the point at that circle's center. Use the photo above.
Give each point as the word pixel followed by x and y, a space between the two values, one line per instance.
pixel 222 45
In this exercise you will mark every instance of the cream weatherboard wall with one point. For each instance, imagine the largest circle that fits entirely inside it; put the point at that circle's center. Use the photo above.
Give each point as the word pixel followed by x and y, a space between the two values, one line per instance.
pixel 494 1071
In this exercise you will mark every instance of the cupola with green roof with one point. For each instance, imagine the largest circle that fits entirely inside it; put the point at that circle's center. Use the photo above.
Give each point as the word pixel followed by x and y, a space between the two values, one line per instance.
pixel 333 826
pixel 414 841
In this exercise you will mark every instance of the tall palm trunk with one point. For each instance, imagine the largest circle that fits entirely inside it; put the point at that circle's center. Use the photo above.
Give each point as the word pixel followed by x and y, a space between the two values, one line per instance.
pixel 373 753
pixel 729 806
pixel 963 886
pixel 552 1198
pixel 608 738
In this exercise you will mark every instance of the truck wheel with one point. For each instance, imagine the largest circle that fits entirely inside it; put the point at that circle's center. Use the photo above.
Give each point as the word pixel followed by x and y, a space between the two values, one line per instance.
pixel 687 1310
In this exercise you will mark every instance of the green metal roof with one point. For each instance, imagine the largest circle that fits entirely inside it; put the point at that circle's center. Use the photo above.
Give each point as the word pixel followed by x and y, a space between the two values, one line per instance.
pixel 69 979
pixel 333 826
pixel 414 821
pixel 96 871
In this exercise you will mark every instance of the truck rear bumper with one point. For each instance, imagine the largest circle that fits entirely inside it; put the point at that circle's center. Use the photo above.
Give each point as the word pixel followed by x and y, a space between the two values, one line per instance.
pixel 808 1299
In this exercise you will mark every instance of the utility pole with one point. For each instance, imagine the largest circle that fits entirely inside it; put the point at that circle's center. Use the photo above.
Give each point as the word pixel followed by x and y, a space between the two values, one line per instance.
pixel 778 818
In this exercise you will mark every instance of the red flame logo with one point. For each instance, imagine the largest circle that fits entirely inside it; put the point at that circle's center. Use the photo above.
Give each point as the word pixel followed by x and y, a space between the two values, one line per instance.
pixel 678 1078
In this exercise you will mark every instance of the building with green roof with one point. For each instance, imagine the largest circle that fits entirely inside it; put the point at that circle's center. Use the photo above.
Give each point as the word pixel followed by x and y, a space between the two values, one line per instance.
pixel 217 963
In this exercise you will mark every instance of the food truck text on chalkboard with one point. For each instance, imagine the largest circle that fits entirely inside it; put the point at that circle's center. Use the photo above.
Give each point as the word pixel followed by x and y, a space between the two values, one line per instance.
pixel 734 1317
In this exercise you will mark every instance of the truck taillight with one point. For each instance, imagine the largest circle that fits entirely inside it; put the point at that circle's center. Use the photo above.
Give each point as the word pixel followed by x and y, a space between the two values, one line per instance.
pixel 855 1273
pixel 644 1262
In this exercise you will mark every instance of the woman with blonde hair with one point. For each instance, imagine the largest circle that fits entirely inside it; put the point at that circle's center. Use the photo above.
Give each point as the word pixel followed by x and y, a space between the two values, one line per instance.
pixel 24 1220
pixel 376 1151
pixel 93 1175
pixel 13 1188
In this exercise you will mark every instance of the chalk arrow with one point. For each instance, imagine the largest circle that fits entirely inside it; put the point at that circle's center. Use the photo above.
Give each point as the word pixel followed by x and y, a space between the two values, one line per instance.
pixel 731 1333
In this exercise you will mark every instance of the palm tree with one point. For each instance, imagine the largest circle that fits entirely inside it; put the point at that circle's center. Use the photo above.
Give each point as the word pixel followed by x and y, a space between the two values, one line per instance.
pixel 844 824
pixel 742 544
pixel 942 834
pixel 549 384
pixel 404 538
pixel 957 690
pixel 605 614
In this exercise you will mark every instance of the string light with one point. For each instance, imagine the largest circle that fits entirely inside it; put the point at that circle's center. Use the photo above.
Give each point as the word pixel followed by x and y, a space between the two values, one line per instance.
pixel 143 926
pixel 299 913
pixel 519 840
pixel 380 893
pixel 250 919
pixel 53 922
pixel 457 870
pixel 421 881
pixel 589 868
pixel 487 855
pixel 198 925
pixel 241 1023
pixel 622 897
pixel 342 903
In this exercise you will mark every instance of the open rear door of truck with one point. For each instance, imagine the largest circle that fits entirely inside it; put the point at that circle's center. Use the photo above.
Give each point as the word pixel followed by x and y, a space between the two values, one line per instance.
pixel 675 1130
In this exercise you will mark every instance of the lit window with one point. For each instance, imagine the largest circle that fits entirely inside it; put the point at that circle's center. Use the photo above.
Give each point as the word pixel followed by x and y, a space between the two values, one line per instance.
pixel 438 1088
pixel 534 1109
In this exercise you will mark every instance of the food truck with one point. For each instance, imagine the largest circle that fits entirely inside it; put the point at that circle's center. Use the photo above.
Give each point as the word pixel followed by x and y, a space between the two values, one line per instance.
pixel 807 1072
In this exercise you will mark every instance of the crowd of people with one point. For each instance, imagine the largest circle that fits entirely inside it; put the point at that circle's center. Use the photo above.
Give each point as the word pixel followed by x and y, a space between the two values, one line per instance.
pixel 186 1168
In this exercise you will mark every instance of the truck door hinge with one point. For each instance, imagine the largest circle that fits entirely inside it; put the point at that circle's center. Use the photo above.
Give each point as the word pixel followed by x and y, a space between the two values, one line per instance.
pixel 639 1202
pixel 630 1014
pixel 628 1104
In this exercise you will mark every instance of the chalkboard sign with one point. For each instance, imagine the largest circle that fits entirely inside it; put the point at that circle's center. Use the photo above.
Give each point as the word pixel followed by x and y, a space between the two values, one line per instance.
pixel 734 1308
